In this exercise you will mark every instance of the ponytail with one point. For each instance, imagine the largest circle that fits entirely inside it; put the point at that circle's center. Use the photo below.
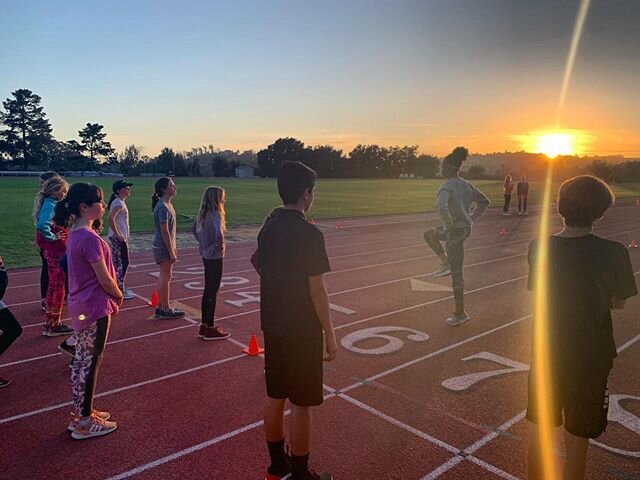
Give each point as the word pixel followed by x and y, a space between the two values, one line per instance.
pixel 62 216
pixel 159 187
pixel 111 199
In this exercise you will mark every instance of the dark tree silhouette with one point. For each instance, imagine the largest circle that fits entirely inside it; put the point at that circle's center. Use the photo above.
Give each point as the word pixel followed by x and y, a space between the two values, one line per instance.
pixel 28 130
pixel 93 140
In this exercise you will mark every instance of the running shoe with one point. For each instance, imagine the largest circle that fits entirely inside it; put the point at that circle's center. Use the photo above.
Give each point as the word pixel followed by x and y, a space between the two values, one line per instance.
pixel 445 269
pixel 68 349
pixel 458 319
pixel 128 294
pixel 73 422
pixel 215 333
pixel 203 328
pixel 169 314
pixel 56 331
pixel 94 426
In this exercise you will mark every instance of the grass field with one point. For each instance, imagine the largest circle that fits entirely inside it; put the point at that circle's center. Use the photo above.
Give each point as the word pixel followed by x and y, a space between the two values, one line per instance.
pixel 248 201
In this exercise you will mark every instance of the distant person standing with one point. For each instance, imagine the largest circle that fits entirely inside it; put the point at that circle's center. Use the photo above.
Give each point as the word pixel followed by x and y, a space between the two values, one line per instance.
pixel 164 244
pixel 119 232
pixel 523 192
pixel 208 228
pixel 508 188
pixel 51 238
pixel 453 200
pixel 44 275
pixel 10 329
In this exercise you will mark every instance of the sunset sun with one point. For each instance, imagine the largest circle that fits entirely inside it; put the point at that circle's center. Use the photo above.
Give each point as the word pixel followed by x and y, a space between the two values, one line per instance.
pixel 554 144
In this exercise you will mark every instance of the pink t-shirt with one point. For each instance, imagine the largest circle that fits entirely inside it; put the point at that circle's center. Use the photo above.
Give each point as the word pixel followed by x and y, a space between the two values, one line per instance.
pixel 87 300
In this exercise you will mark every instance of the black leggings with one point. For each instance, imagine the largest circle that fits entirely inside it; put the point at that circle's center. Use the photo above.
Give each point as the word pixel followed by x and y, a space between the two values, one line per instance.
pixel 212 279
pixel 454 248
pixel 10 327
pixel 522 203
pixel 44 276
pixel 507 201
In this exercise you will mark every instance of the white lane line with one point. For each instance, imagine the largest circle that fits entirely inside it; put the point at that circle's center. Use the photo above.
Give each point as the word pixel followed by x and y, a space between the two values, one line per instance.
pixel 122 389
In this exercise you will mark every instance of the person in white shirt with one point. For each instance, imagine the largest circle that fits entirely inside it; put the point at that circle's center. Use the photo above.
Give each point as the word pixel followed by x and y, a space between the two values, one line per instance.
pixel 119 232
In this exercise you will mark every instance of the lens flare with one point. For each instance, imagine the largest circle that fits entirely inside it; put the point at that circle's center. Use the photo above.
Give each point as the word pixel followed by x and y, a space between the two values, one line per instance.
pixel 542 361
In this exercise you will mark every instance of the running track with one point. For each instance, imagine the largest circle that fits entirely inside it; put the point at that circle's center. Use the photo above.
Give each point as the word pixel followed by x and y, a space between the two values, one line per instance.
pixel 421 400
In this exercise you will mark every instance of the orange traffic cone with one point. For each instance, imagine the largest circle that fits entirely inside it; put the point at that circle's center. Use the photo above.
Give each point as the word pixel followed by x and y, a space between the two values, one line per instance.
pixel 312 222
pixel 254 349
pixel 154 299
pixel 638 202
pixel 633 244
pixel 503 231
pixel 338 226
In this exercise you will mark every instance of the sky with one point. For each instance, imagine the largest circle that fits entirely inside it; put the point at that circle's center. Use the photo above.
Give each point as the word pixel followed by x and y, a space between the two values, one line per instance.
pixel 238 75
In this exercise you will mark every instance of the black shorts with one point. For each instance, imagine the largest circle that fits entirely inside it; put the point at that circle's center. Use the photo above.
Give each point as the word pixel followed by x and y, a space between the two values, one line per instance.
pixel 583 401
pixel 293 369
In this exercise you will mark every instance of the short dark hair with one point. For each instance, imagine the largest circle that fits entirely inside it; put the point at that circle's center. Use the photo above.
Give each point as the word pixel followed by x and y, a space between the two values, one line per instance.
pixel 583 199
pixel 294 179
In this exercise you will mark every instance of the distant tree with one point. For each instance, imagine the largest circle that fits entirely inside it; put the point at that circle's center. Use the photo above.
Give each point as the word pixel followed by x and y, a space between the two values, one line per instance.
pixel 28 130
pixel 220 166
pixel 368 161
pixel 476 172
pixel 93 140
pixel 169 161
pixel 326 161
pixel 282 150
pixel 129 160
pixel 398 160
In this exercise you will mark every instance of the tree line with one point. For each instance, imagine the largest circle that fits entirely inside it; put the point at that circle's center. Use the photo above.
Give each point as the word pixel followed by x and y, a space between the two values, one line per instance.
pixel 27 142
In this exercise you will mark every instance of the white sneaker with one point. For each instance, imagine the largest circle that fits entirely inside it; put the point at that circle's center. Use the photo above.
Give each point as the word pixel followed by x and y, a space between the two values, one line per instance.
pixel 73 423
pixel 520 213
pixel 445 269
pixel 128 294
pixel 506 214
pixel 455 320
pixel 94 426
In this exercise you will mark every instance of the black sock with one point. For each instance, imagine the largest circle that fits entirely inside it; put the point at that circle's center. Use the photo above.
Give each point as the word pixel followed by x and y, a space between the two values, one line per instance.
pixel 278 455
pixel 299 467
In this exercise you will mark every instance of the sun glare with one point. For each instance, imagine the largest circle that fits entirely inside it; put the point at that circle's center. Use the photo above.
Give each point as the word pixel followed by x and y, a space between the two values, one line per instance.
pixel 554 144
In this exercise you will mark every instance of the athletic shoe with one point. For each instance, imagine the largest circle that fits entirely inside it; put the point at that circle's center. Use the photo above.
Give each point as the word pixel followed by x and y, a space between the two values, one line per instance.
pixel 445 269
pixel 128 294
pixel 68 349
pixel 43 304
pixel 520 213
pixel 169 314
pixel 203 328
pixel 56 331
pixel 458 319
pixel 73 423
pixel 215 333
pixel 4 382
pixel 94 427
pixel 283 473
pixel 526 213
pixel 506 214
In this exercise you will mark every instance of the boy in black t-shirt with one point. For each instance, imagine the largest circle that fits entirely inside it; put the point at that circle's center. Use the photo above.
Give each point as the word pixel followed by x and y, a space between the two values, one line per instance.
pixel 294 312
pixel 587 276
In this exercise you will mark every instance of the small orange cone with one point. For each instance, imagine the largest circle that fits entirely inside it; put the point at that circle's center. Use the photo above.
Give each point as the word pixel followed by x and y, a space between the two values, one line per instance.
pixel 633 244
pixel 338 226
pixel 312 222
pixel 254 349
pixel 154 299
pixel 503 231
pixel 638 202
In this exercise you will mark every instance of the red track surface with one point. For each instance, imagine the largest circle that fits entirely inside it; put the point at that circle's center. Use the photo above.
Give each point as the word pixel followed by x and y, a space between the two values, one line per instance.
pixel 189 409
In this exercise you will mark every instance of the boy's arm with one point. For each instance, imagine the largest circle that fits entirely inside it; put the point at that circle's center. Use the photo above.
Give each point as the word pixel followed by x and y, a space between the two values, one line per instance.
pixel 625 285
pixel 442 204
pixel 320 299
pixel 481 201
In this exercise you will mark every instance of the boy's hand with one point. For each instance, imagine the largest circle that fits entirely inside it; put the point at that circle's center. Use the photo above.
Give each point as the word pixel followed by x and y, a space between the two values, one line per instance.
pixel 332 347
